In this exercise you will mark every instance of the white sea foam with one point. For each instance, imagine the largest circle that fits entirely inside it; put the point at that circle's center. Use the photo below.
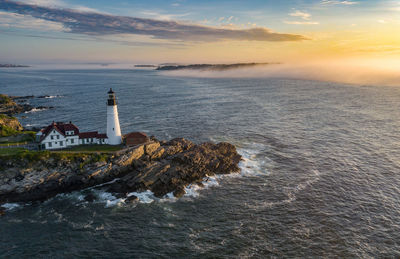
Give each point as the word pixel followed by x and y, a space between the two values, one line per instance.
pixel 193 190
pixel 107 198
pixel 36 110
pixel 53 96
pixel 251 163
pixel 291 194
pixel 144 197
pixel 11 206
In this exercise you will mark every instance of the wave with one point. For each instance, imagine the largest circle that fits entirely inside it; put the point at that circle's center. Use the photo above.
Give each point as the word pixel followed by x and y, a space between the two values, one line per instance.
pixel 50 96
pixel 37 110
pixel 11 206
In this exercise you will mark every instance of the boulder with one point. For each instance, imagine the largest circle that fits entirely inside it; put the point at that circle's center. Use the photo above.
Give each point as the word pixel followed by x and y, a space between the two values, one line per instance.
pixel 179 192
pixel 90 197
pixel 151 148
pixel 157 153
pixel 131 199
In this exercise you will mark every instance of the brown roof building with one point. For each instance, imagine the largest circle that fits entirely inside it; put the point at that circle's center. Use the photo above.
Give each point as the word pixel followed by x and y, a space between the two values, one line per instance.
pixel 135 138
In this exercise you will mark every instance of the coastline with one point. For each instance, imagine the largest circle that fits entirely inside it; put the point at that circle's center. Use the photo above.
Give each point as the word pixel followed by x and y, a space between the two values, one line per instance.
pixel 159 166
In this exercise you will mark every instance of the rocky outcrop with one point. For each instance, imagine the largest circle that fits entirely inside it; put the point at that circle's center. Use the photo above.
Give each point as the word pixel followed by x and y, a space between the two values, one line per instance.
pixel 161 167
pixel 10 123
pixel 9 106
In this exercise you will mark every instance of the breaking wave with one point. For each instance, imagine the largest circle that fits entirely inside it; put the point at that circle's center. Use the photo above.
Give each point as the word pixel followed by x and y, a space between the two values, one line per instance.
pixel 37 110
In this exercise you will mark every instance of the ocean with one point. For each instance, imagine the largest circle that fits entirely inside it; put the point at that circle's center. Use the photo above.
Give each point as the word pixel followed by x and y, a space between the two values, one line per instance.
pixel 320 172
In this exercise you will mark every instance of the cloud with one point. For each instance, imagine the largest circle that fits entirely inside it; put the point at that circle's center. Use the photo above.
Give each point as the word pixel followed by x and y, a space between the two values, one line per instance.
pixel 97 24
pixel 303 15
pixel 306 18
pixel 337 2
pixel 301 22
pixel 119 40
pixel 59 4
pixel 19 21
pixel 160 16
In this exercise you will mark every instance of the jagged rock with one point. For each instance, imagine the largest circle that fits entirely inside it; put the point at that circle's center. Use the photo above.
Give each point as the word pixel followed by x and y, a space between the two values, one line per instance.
pixel 9 106
pixel 151 148
pixel 163 169
pixel 90 197
pixel 179 192
pixel 131 199
pixel 157 153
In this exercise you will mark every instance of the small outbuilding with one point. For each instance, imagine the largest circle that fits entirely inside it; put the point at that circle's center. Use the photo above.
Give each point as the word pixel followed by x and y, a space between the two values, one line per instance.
pixel 135 138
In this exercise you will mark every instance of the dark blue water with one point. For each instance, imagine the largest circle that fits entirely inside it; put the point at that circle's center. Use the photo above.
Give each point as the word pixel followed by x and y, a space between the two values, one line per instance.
pixel 321 175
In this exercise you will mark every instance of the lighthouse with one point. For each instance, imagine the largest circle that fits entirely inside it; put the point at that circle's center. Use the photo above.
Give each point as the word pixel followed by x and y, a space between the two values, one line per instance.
pixel 113 129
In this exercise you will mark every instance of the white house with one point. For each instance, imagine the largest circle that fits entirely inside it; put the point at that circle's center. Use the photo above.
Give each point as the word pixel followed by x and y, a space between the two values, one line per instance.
pixel 60 135
pixel 92 138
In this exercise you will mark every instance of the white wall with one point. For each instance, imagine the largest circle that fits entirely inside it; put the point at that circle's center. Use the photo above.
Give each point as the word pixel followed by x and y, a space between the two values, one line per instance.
pixel 55 139
pixel 113 128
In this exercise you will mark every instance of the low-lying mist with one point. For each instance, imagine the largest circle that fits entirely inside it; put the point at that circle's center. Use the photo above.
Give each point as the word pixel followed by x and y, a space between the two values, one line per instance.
pixel 380 73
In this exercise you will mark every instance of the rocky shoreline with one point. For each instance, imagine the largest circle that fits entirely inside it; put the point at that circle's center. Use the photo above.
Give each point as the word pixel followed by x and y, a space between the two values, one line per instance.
pixel 11 105
pixel 159 166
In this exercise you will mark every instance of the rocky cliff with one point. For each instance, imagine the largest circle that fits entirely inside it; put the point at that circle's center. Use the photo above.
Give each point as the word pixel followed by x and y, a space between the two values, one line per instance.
pixel 9 106
pixel 161 167
pixel 8 123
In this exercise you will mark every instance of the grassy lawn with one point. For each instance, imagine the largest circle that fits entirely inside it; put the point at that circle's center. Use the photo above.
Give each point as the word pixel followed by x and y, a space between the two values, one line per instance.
pixel 93 148
pixel 10 151
pixel 24 136
pixel 12 143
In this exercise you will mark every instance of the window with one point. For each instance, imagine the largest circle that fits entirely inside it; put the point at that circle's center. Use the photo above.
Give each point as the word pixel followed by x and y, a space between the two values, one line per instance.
pixel 61 143
pixel 72 141
pixel 58 137
pixel 51 137
pixel 50 145
pixel 55 142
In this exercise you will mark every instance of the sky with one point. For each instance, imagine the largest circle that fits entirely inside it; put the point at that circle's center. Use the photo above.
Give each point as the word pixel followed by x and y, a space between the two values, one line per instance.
pixel 207 31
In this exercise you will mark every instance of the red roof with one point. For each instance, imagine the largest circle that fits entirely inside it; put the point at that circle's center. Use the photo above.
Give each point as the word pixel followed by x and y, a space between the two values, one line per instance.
pixel 60 127
pixel 92 134
pixel 136 135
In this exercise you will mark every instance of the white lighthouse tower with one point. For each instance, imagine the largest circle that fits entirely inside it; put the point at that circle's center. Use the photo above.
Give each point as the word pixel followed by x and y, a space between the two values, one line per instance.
pixel 113 129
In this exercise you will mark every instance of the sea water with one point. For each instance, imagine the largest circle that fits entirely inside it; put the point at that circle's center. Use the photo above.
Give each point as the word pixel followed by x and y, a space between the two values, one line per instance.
pixel 320 172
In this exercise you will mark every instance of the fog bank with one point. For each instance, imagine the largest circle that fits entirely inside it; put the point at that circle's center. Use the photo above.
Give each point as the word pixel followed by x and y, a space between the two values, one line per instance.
pixel 384 73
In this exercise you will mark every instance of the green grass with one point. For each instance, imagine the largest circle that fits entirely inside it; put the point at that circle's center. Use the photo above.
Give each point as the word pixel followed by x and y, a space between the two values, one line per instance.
pixel 4 99
pixel 18 137
pixel 12 143
pixel 6 131
pixel 94 148
pixel 10 151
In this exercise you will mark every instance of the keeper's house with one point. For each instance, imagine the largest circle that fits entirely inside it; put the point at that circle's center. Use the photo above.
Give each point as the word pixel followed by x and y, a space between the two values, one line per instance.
pixel 60 135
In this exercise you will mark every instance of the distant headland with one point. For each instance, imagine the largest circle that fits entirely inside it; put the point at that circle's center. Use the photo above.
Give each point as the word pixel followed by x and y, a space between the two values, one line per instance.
pixel 12 65
pixel 210 66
